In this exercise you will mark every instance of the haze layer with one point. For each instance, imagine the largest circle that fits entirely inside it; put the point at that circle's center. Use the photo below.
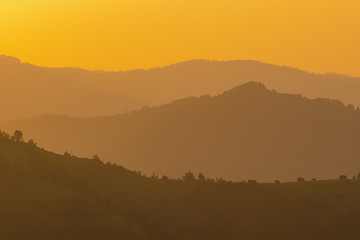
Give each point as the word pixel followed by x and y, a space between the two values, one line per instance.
pixel 28 90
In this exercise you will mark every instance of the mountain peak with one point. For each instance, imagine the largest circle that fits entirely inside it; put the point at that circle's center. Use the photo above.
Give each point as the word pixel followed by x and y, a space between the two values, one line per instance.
pixel 8 59
pixel 249 87
pixel 252 85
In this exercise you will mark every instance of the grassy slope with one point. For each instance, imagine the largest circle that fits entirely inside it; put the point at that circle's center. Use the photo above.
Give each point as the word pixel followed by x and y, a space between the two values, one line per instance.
pixel 39 200
pixel 48 196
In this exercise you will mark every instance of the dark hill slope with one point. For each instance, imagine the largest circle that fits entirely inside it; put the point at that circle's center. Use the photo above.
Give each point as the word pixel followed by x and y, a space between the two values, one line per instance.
pixel 248 132
pixel 48 196
pixel 28 90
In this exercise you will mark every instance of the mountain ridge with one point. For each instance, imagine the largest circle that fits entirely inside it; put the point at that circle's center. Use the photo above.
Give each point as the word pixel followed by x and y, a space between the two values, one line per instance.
pixel 248 132
pixel 15 60
pixel 29 90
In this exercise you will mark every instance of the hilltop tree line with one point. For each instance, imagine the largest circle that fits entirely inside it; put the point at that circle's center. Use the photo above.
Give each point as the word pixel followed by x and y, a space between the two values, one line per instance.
pixel 187 177
pixel 50 196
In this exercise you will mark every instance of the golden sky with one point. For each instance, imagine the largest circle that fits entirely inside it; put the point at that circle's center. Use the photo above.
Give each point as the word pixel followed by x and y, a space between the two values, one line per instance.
pixel 314 35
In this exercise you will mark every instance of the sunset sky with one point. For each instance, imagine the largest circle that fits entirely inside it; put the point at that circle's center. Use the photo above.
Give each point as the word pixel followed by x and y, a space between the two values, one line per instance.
pixel 317 36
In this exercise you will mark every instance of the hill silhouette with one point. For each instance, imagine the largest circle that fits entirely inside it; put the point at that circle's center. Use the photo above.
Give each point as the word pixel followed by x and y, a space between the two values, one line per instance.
pixel 248 132
pixel 29 90
pixel 50 196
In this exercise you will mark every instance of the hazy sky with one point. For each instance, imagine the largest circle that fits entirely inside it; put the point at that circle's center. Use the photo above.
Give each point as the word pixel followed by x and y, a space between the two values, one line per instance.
pixel 317 36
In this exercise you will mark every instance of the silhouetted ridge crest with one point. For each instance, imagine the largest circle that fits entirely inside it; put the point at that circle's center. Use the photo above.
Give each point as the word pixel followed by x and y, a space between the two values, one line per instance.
pixel 248 87
pixel 8 59
pixel 83 93
pixel 51 196
pixel 250 90
pixel 248 132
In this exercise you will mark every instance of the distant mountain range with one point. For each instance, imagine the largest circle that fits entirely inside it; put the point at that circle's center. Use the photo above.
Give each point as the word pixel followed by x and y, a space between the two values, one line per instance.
pixel 28 90
pixel 248 132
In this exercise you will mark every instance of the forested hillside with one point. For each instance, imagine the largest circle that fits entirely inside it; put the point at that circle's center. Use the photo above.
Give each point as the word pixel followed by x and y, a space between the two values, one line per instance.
pixel 248 132
pixel 50 196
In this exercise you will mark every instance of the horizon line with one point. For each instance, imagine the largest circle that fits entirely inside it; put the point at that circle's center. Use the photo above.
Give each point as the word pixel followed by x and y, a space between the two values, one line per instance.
pixel 175 63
